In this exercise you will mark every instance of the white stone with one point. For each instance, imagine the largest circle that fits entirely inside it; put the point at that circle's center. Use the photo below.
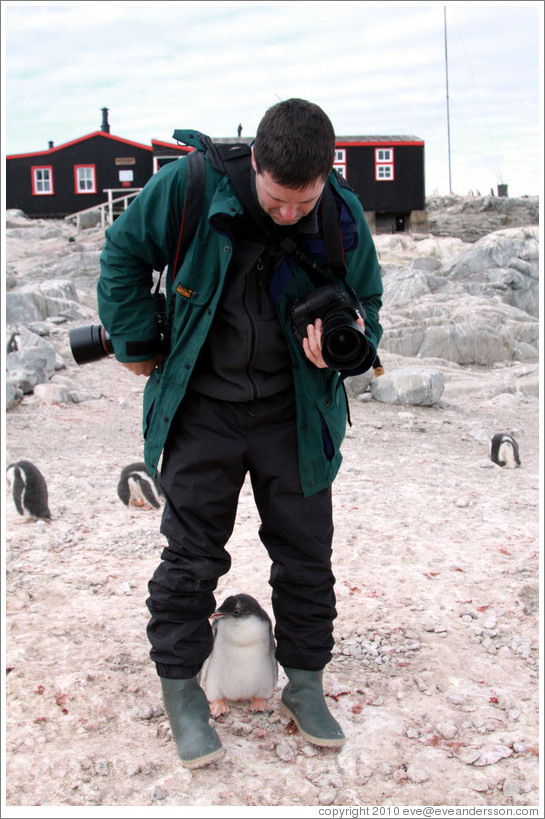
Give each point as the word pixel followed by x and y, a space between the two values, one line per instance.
pixel 409 385
pixel 447 729
pixel 52 393
pixel 493 754
pixel 417 774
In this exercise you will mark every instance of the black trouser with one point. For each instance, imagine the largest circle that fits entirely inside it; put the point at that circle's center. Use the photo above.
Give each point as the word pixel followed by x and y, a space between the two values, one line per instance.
pixel 211 448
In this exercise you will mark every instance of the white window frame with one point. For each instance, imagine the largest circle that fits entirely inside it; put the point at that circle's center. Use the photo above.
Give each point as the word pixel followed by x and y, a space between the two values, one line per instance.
pixel 42 180
pixel 85 176
pixel 384 173
pixel 339 163
pixel 384 164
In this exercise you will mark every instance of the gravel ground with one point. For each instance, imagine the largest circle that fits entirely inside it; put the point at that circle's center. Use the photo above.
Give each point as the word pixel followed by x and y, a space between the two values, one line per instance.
pixel 435 675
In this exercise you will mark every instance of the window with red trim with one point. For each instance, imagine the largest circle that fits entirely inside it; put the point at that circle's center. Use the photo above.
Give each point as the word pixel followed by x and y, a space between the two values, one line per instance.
pixel 340 161
pixel 85 178
pixel 384 164
pixel 42 180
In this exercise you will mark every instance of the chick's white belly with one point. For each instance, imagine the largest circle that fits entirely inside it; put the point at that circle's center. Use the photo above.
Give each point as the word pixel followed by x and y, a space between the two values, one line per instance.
pixel 240 667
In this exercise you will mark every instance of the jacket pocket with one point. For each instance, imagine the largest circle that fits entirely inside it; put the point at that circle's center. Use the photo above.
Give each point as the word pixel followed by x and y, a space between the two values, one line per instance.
pixel 327 440
pixel 332 412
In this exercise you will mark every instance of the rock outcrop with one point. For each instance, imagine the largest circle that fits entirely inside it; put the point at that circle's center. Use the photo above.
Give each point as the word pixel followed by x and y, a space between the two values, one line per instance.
pixel 480 307
pixel 472 217
pixel 462 295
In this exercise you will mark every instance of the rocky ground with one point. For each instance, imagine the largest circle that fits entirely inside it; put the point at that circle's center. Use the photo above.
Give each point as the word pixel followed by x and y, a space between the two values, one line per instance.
pixel 435 674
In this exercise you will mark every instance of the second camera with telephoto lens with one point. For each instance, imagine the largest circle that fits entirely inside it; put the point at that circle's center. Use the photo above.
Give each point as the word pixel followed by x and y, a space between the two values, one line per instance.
pixel 92 342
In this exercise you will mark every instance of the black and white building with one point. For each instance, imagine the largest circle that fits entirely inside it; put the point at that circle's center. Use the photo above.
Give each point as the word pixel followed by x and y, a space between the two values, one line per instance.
pixel 77 175
pixel 386 172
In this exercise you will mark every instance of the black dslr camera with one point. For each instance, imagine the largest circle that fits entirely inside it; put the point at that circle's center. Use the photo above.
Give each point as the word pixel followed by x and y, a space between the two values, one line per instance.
pixel 344 345
pixel 93 342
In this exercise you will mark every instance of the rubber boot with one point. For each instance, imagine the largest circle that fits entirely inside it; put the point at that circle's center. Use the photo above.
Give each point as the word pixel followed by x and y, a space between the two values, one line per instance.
pixel 188 714
pixel 303 701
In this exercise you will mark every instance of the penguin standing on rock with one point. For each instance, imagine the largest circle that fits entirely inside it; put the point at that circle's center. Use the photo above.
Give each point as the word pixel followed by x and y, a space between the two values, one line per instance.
pixel 242 665
pixel 29 491
pixel 13 343
pixel 504 450
pixel 136 487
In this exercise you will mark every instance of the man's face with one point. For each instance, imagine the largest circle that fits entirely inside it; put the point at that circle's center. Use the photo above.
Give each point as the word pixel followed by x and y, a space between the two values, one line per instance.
pixel 286 206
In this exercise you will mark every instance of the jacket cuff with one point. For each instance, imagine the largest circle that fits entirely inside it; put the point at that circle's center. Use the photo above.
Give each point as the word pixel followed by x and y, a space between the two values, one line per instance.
pixel 127 350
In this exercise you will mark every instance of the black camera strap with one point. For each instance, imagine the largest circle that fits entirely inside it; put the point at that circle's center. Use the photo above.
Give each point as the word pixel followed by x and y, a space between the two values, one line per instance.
pixel 235 161
pixel 331 232
pixel 238 167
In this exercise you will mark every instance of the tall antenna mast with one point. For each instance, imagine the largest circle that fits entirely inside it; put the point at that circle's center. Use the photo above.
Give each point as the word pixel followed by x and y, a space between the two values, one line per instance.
pixel 448 114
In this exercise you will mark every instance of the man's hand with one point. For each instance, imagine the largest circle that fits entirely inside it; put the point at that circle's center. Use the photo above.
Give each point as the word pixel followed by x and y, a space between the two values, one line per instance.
pixel 312 344
pixel 143 367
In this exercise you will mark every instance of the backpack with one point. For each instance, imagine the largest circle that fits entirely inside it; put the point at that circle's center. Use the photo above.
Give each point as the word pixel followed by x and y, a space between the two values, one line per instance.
pixel 235 161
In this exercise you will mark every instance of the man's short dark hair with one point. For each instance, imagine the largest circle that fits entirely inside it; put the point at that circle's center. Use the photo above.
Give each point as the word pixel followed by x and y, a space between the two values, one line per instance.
pixel 295 143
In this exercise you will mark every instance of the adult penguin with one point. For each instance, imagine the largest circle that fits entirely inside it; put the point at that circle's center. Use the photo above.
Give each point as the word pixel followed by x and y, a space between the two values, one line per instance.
pixel 29 491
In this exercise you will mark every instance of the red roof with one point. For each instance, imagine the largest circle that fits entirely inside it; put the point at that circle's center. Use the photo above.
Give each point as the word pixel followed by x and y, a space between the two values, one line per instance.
pixel 104 134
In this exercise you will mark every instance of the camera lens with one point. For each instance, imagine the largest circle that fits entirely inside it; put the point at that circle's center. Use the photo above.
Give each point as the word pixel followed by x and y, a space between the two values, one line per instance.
pixel 90 343
pixel 344 346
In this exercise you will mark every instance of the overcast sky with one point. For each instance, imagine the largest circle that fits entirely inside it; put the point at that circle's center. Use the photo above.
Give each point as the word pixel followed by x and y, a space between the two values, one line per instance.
pixel 377 68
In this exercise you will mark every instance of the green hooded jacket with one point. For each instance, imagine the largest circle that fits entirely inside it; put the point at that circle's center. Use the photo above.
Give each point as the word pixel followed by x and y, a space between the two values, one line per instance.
pixel 144 238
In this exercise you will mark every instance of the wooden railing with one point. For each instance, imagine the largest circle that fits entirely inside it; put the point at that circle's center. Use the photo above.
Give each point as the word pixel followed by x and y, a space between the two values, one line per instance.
pixel 108 209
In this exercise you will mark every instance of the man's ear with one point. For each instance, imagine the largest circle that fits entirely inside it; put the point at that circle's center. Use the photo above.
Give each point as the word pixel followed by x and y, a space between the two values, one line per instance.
pixel 254 165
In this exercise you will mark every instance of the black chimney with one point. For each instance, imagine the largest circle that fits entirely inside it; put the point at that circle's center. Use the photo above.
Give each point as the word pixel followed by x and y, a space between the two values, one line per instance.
pixel 50 144
pixel 105 124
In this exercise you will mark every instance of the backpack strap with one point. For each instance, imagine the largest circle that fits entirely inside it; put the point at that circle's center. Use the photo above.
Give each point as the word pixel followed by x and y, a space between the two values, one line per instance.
pixel 238 167
pixel 193 201
pixel 191 212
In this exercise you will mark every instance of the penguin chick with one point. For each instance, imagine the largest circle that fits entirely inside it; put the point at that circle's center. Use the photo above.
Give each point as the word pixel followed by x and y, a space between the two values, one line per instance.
pixel 504 450
pixel 136 487
pixel 242 665
pixel 29 491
